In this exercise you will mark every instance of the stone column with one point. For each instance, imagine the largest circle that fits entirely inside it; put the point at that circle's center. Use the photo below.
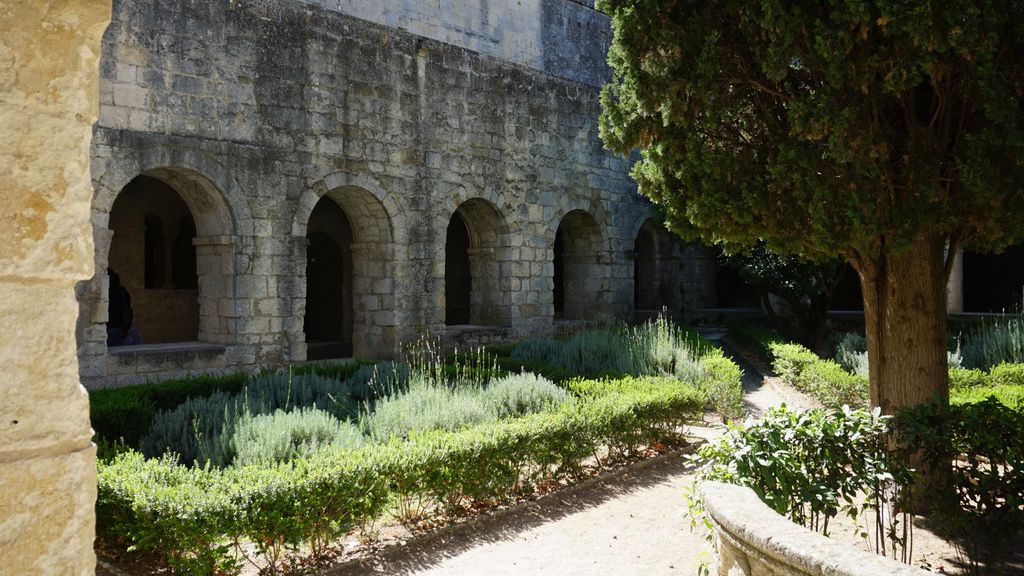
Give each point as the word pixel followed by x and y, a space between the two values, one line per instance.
pixel 955 286
pixel 486 298
pixel 374 319
pixel 219 309
pixel 49 51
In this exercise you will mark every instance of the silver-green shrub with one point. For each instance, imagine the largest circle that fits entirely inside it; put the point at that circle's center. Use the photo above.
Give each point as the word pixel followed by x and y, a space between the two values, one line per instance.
pixel 200 429
pixel 425 406
pixel 852 354
pixel 519 394
pixel 267 439
pixel 995 342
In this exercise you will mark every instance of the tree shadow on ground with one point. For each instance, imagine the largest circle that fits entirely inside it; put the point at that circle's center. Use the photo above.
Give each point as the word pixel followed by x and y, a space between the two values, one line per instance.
pixel 433 550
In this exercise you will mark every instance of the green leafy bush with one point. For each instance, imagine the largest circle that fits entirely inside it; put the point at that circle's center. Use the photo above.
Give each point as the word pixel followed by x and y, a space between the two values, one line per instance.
pixel 721 381
pixel 194 517
pixel 825 380
pixel 983 443
pixel 833 386
pixel 1007 395
pixel 811 465
pixel 281 436
pixel 524 393
pixel 1007 374
pixel 960 378
pixel 790 360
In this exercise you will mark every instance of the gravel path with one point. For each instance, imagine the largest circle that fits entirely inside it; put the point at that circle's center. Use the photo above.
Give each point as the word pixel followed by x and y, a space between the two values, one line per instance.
pixel 633 524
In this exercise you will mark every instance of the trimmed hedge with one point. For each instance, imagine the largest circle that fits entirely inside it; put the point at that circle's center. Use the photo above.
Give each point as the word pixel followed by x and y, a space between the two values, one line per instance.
pixel 195 517
pixel 833 386
pixel 825 380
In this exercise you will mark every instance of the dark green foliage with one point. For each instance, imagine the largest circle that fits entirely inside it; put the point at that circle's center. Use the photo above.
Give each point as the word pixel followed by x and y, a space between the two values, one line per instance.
pixel 333 370
pixel 983 442
pixel 192 517
pixel 840 129
pixel 805 287
pixel 889 134
pixel 127 412
pixel 812 465
pixel 753 338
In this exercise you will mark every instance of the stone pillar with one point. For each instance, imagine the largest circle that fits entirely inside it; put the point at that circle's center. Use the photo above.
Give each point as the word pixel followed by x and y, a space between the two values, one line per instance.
pixel 955 286
pixel 487 296
pixel 294 324
pixel 49 51
pixel 219 310
pixel 374 319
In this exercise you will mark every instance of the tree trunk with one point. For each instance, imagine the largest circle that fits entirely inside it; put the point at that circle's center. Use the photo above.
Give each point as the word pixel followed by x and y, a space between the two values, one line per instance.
pixel 905 321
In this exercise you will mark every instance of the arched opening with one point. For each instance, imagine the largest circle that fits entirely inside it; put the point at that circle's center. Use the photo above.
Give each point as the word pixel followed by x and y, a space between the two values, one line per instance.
pixel 458 280
pixel 645 271
pixel 558 291
pixel 579 289
pixel 847 295
pixel 476 266
pixel 348 306
pixel 151 298
pixel 328 319
pixel 993 282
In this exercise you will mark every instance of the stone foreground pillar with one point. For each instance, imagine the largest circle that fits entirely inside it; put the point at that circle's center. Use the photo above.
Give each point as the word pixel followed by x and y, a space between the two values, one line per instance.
pixel 49 76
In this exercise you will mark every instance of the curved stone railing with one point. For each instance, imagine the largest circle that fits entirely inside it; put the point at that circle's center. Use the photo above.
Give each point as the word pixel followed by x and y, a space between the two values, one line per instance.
pixel 752 539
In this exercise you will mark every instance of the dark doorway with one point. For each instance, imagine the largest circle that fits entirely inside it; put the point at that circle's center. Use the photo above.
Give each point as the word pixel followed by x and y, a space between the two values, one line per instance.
pixel 645 270
pixel 146 254
pixel 994 282
pixel 559 273
pixel 458 280
pixel 328 320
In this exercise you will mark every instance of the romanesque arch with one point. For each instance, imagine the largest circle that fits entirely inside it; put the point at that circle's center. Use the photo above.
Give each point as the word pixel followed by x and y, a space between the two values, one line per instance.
pixel 347 301
pixel 477 266
pixel 579 277
pixel 153 259
pixel 191 295
pixel 646 269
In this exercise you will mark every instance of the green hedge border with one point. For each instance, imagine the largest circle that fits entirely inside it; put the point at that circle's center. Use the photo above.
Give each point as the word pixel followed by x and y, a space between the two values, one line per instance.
pixel 195 518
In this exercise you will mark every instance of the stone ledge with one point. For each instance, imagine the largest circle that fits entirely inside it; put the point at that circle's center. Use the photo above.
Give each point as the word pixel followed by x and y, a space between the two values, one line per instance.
pixel 751 538
pixel 180 357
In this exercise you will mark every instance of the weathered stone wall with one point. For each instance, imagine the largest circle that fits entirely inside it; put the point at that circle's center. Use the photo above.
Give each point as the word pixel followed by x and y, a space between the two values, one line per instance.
pixel 254 111
pixel 751 539
pixel 48 101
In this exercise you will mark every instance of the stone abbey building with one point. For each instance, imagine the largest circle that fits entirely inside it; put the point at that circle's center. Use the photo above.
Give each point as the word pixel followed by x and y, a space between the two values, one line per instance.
pixel 283 180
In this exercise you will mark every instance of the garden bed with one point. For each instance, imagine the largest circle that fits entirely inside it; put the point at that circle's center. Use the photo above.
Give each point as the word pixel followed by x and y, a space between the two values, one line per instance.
pixel 274 471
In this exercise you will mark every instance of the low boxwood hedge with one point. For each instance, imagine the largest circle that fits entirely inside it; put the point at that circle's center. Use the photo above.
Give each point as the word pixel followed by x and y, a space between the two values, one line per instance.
pixel 195 518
